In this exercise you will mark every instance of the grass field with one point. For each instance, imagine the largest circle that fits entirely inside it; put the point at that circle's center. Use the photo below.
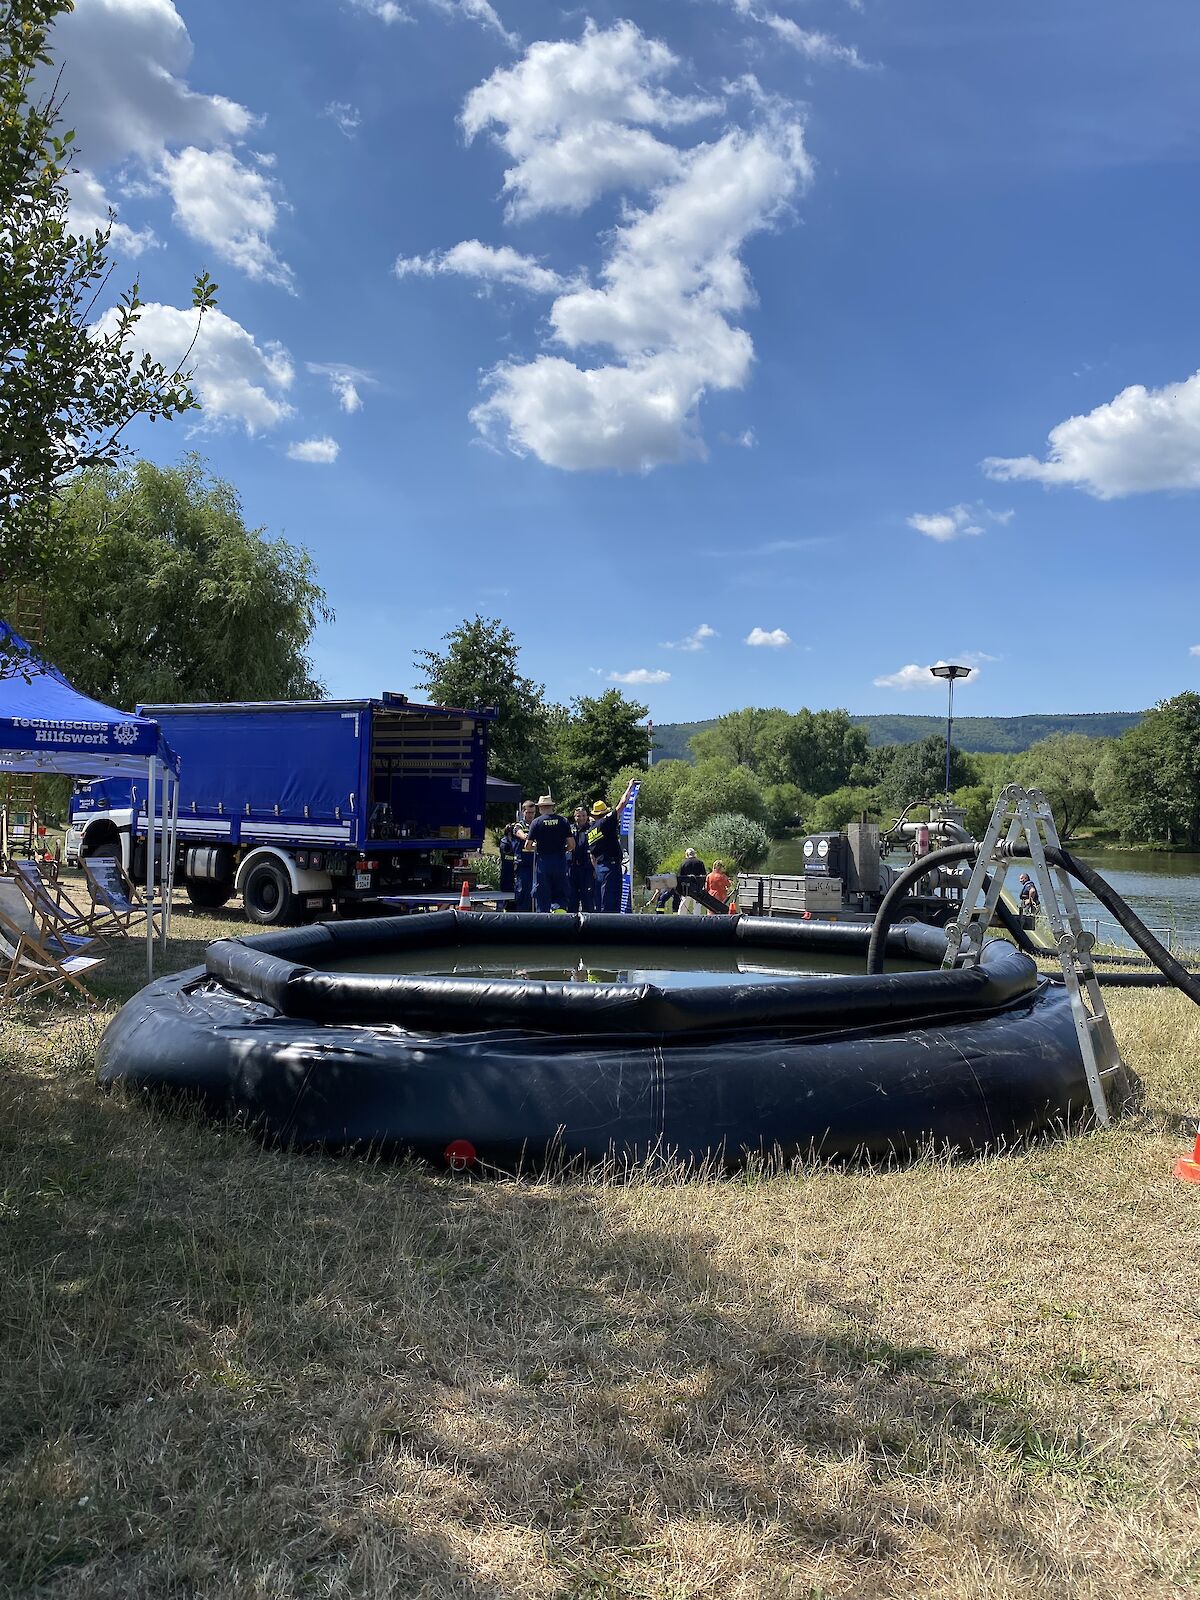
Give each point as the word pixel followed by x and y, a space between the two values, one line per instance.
pixel 231 1372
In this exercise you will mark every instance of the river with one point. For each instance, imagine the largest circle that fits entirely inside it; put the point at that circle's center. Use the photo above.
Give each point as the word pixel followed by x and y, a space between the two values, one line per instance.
pixel 1162 887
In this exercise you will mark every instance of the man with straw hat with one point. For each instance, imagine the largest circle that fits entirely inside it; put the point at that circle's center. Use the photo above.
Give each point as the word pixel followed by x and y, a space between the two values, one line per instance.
pixel 552 839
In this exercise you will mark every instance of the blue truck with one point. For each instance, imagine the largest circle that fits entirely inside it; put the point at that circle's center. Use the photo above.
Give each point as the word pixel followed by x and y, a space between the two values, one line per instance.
pixel 300 805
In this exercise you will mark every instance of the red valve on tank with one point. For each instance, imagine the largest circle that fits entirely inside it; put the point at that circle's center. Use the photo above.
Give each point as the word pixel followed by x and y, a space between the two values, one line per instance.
pixel 460 1154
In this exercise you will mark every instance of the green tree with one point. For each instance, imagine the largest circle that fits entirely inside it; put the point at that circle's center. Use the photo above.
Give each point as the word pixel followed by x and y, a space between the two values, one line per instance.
pixel 69 384
pixel 823 750
pixel 1148 780
pixel 1064 767
pixel 918 771
pixel 746 738
pixel 603 735
pixel 834 810
pixel 715 787
pixel 480 666
pixel 660 784
pixel 167 595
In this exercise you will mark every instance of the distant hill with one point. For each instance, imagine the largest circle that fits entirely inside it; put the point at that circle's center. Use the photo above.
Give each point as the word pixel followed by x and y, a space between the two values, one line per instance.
pixel 986 735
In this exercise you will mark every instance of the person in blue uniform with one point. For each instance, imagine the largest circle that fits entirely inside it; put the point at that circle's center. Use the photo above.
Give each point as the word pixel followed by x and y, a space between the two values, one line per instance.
pixel 583 873
pixel 551 837
pixel 510 851
pixel 604 847
pixel 525 857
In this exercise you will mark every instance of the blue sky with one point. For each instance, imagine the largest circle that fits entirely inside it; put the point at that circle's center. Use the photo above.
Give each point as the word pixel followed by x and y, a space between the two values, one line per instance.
pixel 760 351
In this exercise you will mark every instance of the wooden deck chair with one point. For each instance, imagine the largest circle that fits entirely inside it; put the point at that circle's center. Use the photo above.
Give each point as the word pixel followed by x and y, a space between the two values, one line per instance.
pixel 54 906
pixel 30 964
pixel 112 889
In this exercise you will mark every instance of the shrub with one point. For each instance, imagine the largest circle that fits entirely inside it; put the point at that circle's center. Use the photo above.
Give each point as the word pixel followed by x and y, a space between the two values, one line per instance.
pixel 732 838
pixel 653 841
pixel 486 869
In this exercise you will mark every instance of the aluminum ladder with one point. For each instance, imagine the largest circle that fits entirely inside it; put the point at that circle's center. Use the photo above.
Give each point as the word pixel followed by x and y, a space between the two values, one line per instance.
pixel 1024 816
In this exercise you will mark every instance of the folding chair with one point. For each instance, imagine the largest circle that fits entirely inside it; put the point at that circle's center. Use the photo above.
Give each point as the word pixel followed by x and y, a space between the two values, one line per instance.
pixel 112 888
pixel 51 902
pixel 36 964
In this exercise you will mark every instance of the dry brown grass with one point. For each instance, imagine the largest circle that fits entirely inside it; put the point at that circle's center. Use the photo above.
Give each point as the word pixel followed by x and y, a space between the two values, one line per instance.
pixel 230 1372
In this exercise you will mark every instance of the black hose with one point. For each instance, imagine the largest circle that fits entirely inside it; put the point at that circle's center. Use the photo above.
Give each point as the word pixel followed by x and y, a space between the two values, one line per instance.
pixel 1172 970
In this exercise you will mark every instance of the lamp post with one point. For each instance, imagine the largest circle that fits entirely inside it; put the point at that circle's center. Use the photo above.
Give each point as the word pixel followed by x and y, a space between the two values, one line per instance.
pixel 950 673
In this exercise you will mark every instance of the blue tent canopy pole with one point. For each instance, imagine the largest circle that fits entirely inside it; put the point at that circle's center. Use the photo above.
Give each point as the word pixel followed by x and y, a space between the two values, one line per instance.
pixel 47 726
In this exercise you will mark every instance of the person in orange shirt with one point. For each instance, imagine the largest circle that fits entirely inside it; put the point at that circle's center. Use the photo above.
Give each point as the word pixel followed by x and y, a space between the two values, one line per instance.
pixel 717 884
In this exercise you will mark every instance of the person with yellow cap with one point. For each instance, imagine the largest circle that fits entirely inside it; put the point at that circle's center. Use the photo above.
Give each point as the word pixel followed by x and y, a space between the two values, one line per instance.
pixel 604 847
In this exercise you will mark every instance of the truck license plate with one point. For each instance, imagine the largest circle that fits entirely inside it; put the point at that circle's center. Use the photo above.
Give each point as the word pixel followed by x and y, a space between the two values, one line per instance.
pixel 362 880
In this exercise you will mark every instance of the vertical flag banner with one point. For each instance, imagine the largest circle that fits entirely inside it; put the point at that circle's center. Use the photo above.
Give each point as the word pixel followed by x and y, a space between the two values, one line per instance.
pixel 627 813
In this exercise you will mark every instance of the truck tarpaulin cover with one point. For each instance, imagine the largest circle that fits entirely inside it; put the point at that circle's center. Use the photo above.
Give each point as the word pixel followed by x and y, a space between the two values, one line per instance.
pixel 523 1071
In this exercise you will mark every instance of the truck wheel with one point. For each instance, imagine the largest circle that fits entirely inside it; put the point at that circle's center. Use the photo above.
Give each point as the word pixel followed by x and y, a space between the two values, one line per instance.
pixel 267 895
pixel 207 895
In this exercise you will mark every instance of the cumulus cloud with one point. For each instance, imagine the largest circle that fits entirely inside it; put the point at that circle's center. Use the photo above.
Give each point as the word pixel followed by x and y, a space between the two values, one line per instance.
pixel 321 452
pixel 489 263
pixel 345 117
pixel 578 119
pixel 640 676
pixel 914 676
pixel 1194 650
pixel 574 117
pixel 92 211
pixel 222 203
pixel 695 640
pixel 344 381
pixel 772 639
pixel 1143 440
pixel 237 380
pixel 124 65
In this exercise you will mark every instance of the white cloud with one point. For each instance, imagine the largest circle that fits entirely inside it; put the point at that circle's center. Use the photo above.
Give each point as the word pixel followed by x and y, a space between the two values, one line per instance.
pixel 124 66
pixel 1194 650
pixel 573 117
pixel 490 263
pixel 812 44
pixel 746 440
pixel 481 11
pixel 772 639
pixel 576 119
pixel 914 676
pixel 695 640
pixel 640 675
pixel 321 452
pixel 1141 441
pixel 345 117
pixel 956 523
pixel 236 379
pixel 123 73
pixel 91 210
pixel 228 206
pixel 344 381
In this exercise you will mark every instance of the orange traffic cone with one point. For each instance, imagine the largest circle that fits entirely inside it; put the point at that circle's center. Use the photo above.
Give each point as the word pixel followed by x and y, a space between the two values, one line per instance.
pixel 1188 1167
pixel 464 898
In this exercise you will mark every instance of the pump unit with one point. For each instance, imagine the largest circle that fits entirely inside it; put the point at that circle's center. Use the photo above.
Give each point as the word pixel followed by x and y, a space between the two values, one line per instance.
pixel 825 855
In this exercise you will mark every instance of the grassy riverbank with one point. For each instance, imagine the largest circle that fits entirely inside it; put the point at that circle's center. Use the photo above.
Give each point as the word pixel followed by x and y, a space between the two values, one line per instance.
pixel 229 1372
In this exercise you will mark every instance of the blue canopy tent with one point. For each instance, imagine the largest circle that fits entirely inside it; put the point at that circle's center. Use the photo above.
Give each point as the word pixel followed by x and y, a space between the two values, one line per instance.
pixel 46 726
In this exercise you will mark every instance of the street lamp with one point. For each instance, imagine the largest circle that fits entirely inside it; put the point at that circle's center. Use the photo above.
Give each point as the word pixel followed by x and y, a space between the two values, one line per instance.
pixel 950 673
